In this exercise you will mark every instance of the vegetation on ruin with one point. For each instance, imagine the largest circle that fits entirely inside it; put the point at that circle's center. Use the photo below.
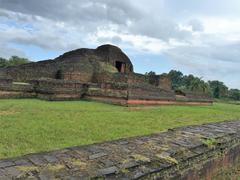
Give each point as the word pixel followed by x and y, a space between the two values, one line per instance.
pixel 210 143
pixel 30 125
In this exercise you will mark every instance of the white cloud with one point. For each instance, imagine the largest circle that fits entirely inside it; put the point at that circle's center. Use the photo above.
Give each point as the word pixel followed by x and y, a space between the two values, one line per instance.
pixel 195 36
pixel 196 25
pixel 7 52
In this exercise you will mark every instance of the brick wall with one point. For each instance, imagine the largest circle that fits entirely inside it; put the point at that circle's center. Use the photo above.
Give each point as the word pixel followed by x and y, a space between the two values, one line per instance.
pixel 84 77
pixel 165 83
pixel 148 92
pixel 134 78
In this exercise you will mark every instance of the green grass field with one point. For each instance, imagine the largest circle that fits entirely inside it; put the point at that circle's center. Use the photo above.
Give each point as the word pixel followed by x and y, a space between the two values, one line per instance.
pixel 29 125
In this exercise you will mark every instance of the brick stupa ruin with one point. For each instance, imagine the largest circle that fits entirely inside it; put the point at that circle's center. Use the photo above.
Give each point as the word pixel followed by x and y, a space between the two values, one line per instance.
pixel 103 74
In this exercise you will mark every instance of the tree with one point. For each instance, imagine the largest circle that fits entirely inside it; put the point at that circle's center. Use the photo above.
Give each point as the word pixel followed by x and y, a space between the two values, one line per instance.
pixel 219 89
pixel 13 61
pixel 3 62
pixel 151 77
pixel 197 84
pixel 177 79
pixel 187 80
pixel 234 94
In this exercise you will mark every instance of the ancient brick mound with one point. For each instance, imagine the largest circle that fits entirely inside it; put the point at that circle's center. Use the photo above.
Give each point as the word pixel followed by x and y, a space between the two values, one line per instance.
pixel 105 53
pixel 192 152
pixel 104 58
pixel 103 74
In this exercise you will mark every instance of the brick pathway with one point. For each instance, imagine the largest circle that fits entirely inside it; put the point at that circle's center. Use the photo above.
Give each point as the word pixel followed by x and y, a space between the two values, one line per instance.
pixel 130 158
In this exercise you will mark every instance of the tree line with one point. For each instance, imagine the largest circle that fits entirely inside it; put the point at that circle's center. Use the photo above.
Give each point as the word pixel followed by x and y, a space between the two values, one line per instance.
pixel 216 89
pixel 13 61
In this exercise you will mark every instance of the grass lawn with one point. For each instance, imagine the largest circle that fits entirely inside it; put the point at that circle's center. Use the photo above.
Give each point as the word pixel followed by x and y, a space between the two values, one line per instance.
pixel 30 125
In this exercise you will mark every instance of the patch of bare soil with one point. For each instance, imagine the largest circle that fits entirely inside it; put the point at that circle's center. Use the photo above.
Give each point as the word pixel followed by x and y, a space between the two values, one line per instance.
pixel 7 112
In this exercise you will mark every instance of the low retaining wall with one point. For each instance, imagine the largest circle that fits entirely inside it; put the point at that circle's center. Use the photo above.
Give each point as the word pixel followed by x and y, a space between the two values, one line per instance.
pixel 121 93
pixel 10 89
pixel 17 94
pixel 147 92
pixel 192 152
pixel 59 89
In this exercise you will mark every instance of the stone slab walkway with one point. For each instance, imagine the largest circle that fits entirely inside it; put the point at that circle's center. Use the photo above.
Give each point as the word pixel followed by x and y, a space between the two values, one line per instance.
pixel 130 158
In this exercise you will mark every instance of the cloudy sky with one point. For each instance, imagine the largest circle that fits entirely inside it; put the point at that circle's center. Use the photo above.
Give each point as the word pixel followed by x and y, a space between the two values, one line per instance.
pixel 201 37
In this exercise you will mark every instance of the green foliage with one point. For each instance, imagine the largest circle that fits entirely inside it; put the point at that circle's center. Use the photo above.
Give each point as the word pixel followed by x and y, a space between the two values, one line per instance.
pixel 219 89
pixel 151 73
pixel 216 89
pixel 29 125
pixel 177 79
pixel 13 61
pixel 196 84
pixel 190 83
pixel 151 77
pixel 3 62
pixel 106 67
pixel 234 94
pixel 210 143
pixel 185 82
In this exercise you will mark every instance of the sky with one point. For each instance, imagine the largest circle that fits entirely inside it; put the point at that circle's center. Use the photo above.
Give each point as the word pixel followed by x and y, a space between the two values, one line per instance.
pixel 200 37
